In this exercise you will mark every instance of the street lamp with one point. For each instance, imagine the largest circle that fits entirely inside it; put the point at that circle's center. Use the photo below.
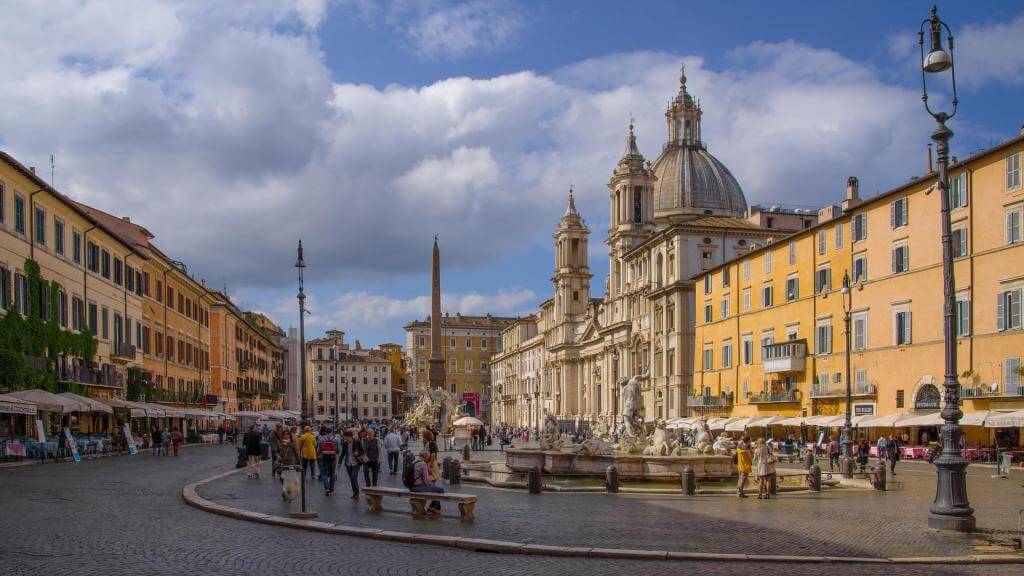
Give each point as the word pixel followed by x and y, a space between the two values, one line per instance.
pixel 334 356
pixel 300 263
pixel 951 509
pixel 847 464
pixel 615 385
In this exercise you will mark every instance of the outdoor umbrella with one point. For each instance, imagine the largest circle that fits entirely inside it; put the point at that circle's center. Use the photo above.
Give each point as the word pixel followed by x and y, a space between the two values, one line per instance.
pixel 94 405
pixel 51 402
pixel 467 421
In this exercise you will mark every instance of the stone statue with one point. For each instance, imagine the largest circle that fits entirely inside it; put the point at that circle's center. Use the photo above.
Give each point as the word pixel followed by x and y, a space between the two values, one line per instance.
pixel 632 439
pixel 595 447
pixel 550 439
pixel 433 408
pixel 599 428
pixel 723 445
pixel 702 440
pixel 662 443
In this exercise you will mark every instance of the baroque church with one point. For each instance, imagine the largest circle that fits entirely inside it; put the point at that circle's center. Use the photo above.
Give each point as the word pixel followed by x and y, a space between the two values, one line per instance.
pixel 669 221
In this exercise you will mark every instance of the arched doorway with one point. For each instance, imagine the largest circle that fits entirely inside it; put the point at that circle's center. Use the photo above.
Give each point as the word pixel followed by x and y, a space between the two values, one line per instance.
pixel 927 397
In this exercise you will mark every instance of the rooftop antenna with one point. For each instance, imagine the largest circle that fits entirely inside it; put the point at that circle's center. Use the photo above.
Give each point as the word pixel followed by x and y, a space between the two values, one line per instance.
pixel 53 170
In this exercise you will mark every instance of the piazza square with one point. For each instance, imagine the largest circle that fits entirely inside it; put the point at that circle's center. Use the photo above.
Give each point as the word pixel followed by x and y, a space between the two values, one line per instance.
pixel 519 287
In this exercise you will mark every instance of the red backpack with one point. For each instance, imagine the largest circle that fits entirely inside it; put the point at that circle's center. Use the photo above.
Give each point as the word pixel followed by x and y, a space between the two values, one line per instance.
pixel 327 446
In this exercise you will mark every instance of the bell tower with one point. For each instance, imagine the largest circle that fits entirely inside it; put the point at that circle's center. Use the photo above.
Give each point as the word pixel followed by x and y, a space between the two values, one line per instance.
pixel 572 270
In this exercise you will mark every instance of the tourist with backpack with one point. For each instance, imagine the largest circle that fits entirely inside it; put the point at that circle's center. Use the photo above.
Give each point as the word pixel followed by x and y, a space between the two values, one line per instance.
pixel 352 458
pixel 328 451
pixel 422 481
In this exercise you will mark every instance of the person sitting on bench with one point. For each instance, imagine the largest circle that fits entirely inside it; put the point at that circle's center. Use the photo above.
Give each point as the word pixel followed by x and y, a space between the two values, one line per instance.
pixel 424 482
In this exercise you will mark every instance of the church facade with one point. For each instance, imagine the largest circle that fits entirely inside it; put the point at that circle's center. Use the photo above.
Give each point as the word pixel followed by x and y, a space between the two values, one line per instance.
pixel 669 221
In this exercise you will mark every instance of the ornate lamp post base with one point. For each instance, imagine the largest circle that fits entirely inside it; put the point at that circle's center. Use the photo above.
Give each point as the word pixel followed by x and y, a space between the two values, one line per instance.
pixel 951 510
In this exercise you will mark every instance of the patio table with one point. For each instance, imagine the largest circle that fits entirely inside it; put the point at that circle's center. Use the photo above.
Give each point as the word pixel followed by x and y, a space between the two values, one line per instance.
pixel 914 452
pixel 14 449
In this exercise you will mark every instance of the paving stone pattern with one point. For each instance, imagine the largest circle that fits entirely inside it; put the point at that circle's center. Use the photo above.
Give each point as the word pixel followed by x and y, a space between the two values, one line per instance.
pixel 125 515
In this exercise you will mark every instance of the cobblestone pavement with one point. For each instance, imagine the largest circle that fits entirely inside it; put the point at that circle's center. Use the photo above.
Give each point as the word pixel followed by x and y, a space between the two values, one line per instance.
pixel 834 523
pixel 125 515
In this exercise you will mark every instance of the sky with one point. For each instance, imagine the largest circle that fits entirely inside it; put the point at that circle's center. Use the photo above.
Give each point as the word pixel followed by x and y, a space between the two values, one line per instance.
pixel 230 130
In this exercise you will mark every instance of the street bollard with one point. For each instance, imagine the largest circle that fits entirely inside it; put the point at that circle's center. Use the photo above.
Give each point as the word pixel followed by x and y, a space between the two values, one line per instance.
pixel 773 487
pixel 814 478
pixel 689 481
pixel 533 481
pixel 454 472
pixel 808 458
pixel 846 466
pixel 611 479
pixel 446 467
pixel 465 453
pixel 878 476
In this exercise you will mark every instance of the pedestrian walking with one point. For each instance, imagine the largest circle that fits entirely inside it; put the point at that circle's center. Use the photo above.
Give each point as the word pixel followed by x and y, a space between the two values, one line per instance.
pixel 328 449
pixel 763 466
pixel 882 445
pixel 424 481
pixel 863 452
pixel 430 445
pixel 165 440
pixel 275 446
pixel 743 465
pixel 894 450
pixel 393 444
pixel 251 442
pixel 352 458
pixel 374 455
pixel 833 453
pixel 307 449
pixel 176 439
pixel 154 439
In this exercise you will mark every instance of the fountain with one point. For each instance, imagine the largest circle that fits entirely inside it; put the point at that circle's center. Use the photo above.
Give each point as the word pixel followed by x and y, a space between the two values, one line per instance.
pixel 637 455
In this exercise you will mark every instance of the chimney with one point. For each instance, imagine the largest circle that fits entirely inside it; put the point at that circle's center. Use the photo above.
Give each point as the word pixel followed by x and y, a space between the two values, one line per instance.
pixel 853 192
pixel 1022 129
pixel 930 168
pixel 954 160
pixel 32 169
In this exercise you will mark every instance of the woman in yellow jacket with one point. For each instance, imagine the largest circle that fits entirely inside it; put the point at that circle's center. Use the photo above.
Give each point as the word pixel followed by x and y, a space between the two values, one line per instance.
pixel 743 465
pixel 307 449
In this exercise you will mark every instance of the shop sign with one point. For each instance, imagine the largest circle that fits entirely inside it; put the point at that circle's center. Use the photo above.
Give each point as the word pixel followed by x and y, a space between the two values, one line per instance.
pixel 863 409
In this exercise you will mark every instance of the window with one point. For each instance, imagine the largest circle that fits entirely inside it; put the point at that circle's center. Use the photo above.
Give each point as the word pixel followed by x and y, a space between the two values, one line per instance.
pixel 959 242
pixel 1013 171
pixel 1011 376
pixel 958 191
pixel 859 227
pixel 766 296
pixel 76 313
pixel 859 325
pixel 726 355
pixel 725 308
pixel 963 317
pixel 839 237
pixel 792 253
pixel 19 214
pixel 746 300
pixel 105 264
pixel 822 243
pixel 725 277
pixel 40 231
pixel 76 247
pixel 792 288
pixel 1013 218
pixel 898 213
pixel 105 324
pixel 746 269
pixel 21 294
pixel 766 340
pixel 483 343
pixel 823 338
pixel 860 269
pixel 451 342
pixel 93 323
pixel 58 235
pixel 62 308
pixel 900 259
pixel 767 261
pixel 707 313
pixel 1008 310
pixel 3 202
pixel 748 350
pixel 707 284
pixel 823 280
pixel 708 358
pixel 901 327
pixel 422 342
pixel 118 272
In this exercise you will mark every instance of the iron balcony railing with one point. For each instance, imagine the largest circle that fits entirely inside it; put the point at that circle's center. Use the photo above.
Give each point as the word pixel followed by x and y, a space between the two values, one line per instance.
pixel 993 390
pixel 716 401
pixel 835 390
pixel 124 350
pixel 775 398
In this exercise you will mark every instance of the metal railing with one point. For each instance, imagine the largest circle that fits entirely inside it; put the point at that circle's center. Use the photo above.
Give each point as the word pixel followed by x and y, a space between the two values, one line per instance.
pixel 834 390
pixel 124 350
pixel 772 398
pixel 994 390
pixel 694 401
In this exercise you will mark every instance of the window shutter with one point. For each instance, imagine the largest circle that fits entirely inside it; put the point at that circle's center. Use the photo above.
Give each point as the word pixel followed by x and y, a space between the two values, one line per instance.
pixel 908 326
pixel 905 205
pixel 892 215
pixel 895 255
pixel 967 317
pixel 896 328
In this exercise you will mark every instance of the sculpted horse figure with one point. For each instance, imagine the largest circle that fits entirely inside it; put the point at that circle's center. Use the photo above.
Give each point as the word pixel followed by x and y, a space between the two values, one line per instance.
pixel 703 441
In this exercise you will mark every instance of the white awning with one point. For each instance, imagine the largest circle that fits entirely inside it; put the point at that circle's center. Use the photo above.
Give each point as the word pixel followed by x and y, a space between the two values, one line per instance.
pixel 94 405
pixel 13 405
pixel 887 421
pixel 1013 419
pixel 738 425
pixel 933 419
pixel 766 421
pixel 819 420
pixel 793 421
pixel 51 402
pixel 718 423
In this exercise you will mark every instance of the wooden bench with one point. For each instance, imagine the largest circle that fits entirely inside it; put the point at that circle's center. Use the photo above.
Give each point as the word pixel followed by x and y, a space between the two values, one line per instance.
pixel 418 500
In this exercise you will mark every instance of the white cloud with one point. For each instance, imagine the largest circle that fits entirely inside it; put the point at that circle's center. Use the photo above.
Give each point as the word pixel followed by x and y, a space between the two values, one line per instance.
pixel 991 54
pixel 458 30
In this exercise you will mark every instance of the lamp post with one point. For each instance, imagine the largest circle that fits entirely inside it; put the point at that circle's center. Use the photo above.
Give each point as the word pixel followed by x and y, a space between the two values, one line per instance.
pixel 300 263
pixel 847 464
pixel 337 414
pixel 951 509
pixel 615 386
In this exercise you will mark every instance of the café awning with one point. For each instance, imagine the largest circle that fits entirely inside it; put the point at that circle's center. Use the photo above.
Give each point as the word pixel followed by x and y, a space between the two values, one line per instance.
pixel 737 425
pixel 887 421
pixel 12 405
pixel 94 405
pixel 51 402
pixel 766 421
pixel 933 419
pixel 1014 419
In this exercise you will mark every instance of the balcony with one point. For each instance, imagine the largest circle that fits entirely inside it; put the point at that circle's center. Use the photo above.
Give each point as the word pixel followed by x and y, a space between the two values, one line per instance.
pixel 85 375
pixel 789 356
pixel 785 397
pixel 993 390
pixel 861 389
pixel 708 401
pixel 123 352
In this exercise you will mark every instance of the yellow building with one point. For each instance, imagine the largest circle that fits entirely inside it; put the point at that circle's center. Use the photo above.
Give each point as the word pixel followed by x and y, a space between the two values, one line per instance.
pixel 96 273
pixel 246 364
pixel 769 336
pixel 398 375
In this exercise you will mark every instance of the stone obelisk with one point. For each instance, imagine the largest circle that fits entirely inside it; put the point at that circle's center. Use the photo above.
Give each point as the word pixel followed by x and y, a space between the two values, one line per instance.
pixel 436 366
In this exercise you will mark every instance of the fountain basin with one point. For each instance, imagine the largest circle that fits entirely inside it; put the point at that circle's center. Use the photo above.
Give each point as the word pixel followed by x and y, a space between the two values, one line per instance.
pixel 631 466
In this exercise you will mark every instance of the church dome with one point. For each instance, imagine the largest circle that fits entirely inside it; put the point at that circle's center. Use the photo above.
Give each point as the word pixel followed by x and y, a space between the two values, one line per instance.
pixel 689 179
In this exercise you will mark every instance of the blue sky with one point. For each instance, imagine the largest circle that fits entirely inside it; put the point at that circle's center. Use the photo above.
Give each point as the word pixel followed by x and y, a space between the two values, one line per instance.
pixel 366 127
